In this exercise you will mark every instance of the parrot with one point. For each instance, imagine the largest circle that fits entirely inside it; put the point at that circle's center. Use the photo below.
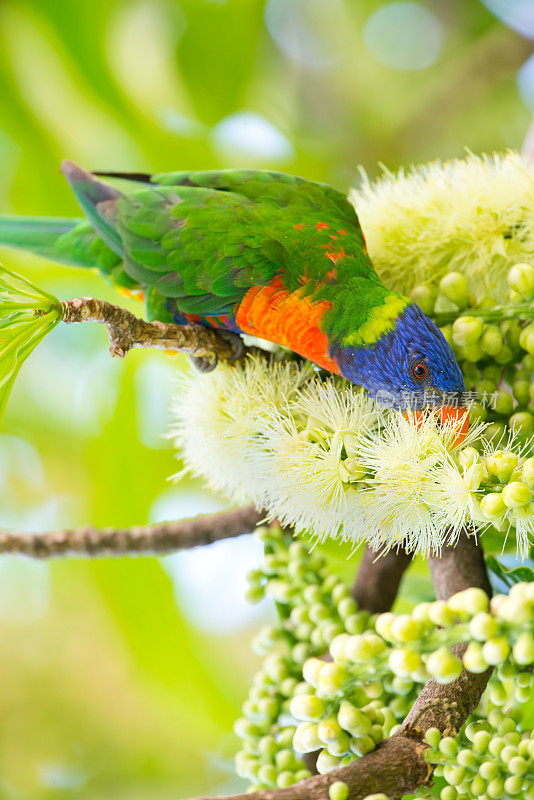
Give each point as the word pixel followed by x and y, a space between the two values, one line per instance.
pixel 255 252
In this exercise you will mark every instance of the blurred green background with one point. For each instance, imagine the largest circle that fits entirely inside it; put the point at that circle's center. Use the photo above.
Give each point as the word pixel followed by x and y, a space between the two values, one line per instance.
pixel 121 678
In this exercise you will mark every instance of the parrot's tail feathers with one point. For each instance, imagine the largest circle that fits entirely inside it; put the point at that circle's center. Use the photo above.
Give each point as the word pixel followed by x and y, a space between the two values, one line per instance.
pixel 97 200
pixel 39 235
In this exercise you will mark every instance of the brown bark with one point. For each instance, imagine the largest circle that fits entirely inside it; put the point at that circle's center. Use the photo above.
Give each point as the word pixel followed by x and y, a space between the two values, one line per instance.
pixel 163 537
pixel 378 579
pixel 125 331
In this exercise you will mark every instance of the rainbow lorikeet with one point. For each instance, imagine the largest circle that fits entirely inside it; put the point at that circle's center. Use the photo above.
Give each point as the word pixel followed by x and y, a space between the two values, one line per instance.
pixel 256 252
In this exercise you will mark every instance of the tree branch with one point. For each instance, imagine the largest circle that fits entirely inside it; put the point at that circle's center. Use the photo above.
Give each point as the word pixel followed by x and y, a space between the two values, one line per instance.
pixel 125 331
pixel 163 537
pixel 378 579
pixel 397 767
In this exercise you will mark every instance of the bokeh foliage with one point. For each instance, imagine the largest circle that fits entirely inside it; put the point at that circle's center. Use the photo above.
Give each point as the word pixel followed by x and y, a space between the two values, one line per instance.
pixel 108 688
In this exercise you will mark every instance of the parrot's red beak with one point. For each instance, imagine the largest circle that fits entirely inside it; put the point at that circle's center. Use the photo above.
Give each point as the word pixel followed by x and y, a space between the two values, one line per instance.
pixel 449 416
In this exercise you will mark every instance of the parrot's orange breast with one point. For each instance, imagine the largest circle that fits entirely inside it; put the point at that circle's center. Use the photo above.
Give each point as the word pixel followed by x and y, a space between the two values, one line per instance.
pixel 291 319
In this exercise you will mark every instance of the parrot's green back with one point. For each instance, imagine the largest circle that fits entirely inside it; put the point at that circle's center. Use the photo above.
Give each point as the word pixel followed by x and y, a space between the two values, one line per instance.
pixel 256 252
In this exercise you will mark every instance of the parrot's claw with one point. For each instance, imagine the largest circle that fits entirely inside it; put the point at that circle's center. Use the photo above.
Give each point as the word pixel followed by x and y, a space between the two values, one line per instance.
pixel 236 343
pixel 203 363
pixel 208 363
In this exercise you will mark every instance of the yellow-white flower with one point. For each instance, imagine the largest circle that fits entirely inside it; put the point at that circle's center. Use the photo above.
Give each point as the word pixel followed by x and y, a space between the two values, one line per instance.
pixel 474 215
pixel 419 497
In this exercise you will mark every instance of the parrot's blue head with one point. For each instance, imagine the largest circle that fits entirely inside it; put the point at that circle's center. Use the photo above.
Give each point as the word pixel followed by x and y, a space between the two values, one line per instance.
pixel 411 366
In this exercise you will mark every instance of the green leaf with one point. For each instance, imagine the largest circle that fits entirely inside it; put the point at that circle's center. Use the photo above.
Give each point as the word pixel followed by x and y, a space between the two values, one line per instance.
pixel 509 576
pixel 27 315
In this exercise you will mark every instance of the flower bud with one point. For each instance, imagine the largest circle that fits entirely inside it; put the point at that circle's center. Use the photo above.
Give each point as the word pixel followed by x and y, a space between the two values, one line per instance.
pixel 338 791
pixel 305 739
pixel 404 628
pixel 527 473
pixel 443 666
pixel 526 338
pixel 425 295
pixel 523 650
pixel 522 422
pixel 516 494
pixel 495 650
pixel 331 678
pixel 404 661
pixel 362 745
pixel 455 288
pixel 467 331
pixel 483 626
pixel 492 505
pixel 329 730
pixel 521 280
pixel 501 464
pixel 433 737
pixel 492 342
pixel 353 720
pixel 306 707
pixel 358 649
pixel 503 403
pixel 473 659
pixel 326 762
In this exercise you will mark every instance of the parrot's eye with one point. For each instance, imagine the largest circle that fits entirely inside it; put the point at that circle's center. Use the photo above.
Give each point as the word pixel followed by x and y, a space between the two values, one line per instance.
pixel 419 371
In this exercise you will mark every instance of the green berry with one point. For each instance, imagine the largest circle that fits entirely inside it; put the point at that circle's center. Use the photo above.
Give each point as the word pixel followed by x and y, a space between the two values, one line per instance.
pixel 285 779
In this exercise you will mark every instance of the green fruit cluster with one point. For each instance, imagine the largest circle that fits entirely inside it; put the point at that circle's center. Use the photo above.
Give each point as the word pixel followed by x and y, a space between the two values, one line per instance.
pixel 336 680
pixel 494 345
pixel 491 759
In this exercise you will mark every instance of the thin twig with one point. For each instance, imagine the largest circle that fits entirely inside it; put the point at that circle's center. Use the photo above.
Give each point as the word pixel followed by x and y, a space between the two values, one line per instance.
pixel 163 537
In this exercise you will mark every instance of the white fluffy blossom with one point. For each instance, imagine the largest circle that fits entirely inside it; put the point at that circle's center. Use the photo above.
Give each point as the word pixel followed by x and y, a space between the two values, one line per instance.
pixel 472 215
pixel 321 457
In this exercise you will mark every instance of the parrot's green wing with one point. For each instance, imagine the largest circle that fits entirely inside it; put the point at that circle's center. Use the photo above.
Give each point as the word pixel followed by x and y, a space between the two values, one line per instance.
pixel 206 238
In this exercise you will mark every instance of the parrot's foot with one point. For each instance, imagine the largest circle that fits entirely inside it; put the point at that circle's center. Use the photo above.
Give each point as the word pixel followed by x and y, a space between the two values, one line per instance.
pixel 207 364
pixel 236 343
pixel 204 363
